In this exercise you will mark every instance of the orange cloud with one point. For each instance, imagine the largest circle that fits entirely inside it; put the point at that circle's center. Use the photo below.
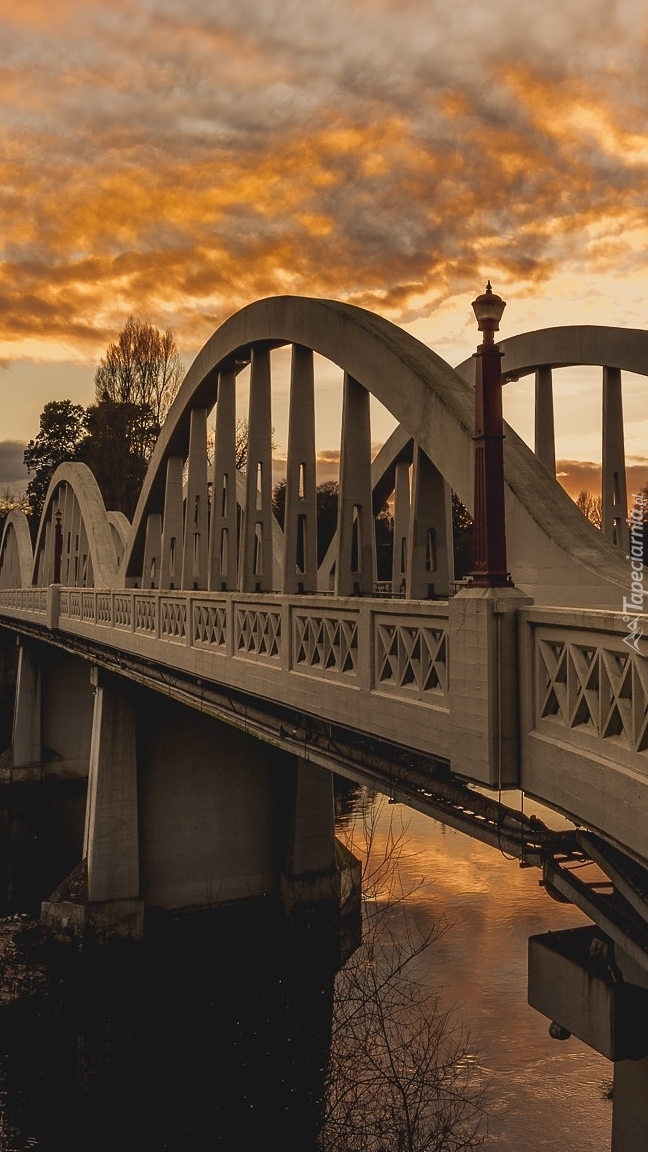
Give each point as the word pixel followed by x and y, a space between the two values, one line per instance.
pixel 179 161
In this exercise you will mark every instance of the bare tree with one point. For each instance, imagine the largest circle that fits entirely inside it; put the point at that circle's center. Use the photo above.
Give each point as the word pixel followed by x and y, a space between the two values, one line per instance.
pixel 141 369
pixel 591 506
pixel 402 1075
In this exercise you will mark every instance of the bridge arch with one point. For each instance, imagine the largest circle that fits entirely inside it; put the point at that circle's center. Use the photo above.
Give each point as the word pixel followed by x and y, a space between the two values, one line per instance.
pixel 16 555
pixel 74 512
pixel 554 553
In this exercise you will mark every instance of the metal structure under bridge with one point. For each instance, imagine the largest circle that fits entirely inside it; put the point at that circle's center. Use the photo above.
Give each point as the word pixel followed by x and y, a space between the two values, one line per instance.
pixel 206 677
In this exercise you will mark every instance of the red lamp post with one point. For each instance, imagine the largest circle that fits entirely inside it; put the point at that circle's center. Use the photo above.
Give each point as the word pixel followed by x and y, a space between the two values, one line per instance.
pixel 489 566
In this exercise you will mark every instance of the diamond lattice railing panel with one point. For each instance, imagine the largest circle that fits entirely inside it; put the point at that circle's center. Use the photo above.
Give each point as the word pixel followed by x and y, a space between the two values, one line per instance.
pixel 173 619
pixel 329 643
pixel 144 614
pixel 583 686
pixel 210 624
pixel 594 688
pixel 258 632
pixel 411 657
pixel 552 679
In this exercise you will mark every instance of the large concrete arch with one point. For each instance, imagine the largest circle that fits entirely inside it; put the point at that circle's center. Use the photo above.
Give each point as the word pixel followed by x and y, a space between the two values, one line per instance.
pixel 554 553
pixel 569 344
pixel 92 516
pixel 16 555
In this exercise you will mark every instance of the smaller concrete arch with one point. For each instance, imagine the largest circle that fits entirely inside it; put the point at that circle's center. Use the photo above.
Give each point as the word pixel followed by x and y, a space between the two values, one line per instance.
pixel 16 554
pixel 120 530
pixel 75 543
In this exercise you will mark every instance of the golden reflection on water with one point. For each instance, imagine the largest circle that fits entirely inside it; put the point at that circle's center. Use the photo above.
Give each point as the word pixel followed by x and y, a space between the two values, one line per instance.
pixel 544 1094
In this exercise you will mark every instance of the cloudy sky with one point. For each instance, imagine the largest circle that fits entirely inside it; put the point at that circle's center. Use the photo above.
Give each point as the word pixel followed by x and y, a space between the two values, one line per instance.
pixel 177 159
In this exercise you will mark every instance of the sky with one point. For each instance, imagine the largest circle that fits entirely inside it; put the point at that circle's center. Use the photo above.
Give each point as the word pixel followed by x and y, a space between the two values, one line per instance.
pixel 177 159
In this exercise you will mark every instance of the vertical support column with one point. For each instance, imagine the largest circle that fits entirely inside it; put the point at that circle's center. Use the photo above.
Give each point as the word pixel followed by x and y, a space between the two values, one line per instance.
pixel 27 721
pixel 630 1105
pixel 354 570
pixel 256 567
pixel 172 531
pixel 430 563
pixel 194 556
pixel 310 866
pixel 300 517
pixel 111 847
pixel 545 441
pixel 401 526
pixel 614 489
pixel 152 549
pixel 223 529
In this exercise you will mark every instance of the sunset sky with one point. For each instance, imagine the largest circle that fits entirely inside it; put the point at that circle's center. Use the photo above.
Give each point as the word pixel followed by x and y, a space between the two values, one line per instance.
pixel 178 159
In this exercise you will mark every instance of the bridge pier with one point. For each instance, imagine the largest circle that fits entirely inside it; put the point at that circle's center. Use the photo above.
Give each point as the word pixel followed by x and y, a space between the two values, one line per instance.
pixel 26 741
pixel 52 719
pixel 185 813
pixel 590 988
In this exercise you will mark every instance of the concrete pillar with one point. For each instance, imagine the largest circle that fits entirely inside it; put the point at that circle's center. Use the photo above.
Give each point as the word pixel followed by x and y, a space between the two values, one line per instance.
pixel 430 560
pixel 614 492
pixel 630 1106
pixel 27 748
pixel 355 565
pixel 172 528
pixel 111 837
pixel 223 526
pixel 545 443
pixel 194 555
pixel 401 526
pixel 300 518
pixel 257 573
pixel 484 685
pixel 100 899
pixel 152 551
pixel 310 872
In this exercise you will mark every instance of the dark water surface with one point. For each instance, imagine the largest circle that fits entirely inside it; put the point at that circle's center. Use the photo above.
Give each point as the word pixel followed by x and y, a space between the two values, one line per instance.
pixel 216 1033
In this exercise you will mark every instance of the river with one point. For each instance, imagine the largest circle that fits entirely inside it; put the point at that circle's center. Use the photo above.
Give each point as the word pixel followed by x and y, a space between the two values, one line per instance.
pixel 218 1037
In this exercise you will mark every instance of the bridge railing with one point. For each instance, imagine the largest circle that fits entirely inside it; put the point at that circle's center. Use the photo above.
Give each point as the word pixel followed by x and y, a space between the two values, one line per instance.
pixel 337 658
pixel 584 718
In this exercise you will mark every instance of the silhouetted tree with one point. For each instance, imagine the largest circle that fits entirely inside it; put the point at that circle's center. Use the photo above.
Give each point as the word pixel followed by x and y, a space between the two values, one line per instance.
pixel 135 384
pixel 591 506
pixel 327 502
pixel 10 501
pixel 401 1073
pixel 63 430
pixel 462 534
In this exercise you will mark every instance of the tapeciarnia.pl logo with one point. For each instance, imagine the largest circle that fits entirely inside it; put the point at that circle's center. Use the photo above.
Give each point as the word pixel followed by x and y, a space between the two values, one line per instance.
pixel 633 607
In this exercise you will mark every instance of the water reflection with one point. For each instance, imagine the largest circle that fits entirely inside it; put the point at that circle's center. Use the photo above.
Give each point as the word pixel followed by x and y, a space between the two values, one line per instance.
pixel 542 1094
pixel 240 1031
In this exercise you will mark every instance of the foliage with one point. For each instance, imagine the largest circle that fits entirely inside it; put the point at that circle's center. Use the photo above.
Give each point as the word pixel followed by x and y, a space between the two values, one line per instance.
pixel 135 384
pixel 117 468
pixel 11 501
pixel 402 1075
pixel 591 506
pixel 142 370
pixel 327 505
pixel 462 532
pixel 63 430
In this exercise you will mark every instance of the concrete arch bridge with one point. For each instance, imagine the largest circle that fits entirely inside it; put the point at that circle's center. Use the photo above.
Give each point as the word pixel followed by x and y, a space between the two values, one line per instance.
pixel 205 674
